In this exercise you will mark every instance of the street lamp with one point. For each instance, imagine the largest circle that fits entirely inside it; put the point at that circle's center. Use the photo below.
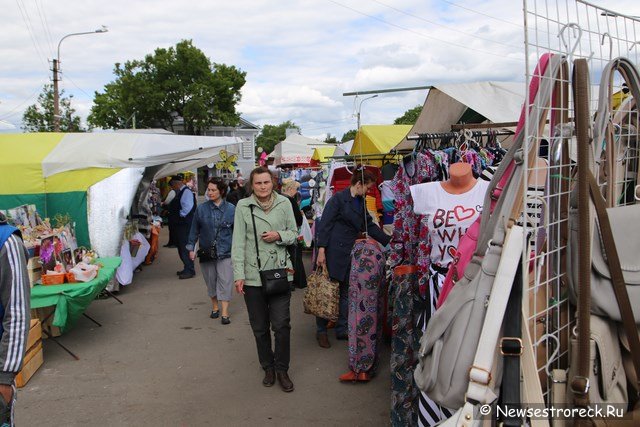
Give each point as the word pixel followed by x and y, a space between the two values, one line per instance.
pixel 360 108
pixel 56 70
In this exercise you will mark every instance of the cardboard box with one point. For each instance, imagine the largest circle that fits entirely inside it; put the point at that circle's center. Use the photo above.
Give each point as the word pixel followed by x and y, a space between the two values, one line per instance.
pixel 32 362
pixel 35 333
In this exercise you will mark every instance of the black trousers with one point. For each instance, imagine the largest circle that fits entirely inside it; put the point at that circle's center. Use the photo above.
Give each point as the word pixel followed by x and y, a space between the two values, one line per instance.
pixel 172 234
pixel 270 311
pixel 182 238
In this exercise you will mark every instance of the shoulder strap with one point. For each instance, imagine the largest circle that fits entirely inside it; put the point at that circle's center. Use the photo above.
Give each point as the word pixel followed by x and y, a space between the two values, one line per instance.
pixel 511 347
pixel 255 235
pixel 478 390
pixel 580 382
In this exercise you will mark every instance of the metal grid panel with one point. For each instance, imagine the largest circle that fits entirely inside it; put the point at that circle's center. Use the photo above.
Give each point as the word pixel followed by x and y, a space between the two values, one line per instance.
pixel 575 29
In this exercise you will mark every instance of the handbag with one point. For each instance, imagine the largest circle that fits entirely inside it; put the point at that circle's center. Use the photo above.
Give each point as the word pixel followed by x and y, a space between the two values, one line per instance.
pixel 275 281
pixel 581 273
pixel 453 333
pixel 623 219
pixel 208 254
pixel 322 295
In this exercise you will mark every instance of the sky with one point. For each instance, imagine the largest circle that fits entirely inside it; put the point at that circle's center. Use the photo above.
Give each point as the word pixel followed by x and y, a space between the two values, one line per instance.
pixel 300 56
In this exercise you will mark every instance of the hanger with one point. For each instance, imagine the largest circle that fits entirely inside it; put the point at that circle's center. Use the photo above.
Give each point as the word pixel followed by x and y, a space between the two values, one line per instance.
pixel 554 354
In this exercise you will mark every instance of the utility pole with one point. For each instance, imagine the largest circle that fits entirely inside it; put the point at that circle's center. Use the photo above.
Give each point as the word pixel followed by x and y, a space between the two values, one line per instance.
pixel 56 100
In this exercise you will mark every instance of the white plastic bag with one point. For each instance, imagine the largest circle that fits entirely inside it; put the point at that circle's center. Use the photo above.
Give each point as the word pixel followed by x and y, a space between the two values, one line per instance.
pixel 84 272
pixel 305 232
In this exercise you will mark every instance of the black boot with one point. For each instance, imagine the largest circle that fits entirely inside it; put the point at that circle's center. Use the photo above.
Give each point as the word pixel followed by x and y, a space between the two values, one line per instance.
pixel 269 377
pixel 285 382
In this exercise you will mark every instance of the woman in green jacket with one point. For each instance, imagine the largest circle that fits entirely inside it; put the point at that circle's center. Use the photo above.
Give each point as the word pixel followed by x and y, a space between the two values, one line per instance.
pixel 276 228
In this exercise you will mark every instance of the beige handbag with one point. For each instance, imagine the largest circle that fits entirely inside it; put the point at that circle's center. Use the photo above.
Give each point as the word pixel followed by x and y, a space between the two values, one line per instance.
pixel 322 295
pixel 606 371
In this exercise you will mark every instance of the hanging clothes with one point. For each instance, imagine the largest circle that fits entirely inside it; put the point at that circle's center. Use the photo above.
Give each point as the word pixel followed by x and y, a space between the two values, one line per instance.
pixel 405 344
pixel 413 170
pixel 403 291
pixel 366 280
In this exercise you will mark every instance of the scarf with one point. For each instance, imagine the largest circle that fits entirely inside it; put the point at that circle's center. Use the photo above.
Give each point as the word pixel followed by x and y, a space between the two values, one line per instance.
pixel 266 206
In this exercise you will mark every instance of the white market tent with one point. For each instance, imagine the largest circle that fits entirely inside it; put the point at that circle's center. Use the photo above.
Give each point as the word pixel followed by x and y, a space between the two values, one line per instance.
pixel 130 150
pixel 446 104
pixel 295 149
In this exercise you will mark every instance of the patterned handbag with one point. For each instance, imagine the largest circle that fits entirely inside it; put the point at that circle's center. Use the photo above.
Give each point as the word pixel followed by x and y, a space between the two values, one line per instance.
pixel 321 297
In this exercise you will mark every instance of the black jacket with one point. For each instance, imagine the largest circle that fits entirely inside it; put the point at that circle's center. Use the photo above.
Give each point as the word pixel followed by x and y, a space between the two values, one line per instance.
pixel 339 227
pixel 296 210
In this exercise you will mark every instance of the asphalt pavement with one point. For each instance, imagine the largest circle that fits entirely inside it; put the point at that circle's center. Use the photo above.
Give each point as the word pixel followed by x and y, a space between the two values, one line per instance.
pixel 159 360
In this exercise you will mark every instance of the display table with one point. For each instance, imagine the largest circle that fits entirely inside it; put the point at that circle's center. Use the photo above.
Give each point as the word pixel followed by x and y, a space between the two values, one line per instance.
pixel 72 299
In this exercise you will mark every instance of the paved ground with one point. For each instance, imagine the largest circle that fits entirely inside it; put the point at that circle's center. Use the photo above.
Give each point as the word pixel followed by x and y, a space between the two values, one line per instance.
pixel 160 360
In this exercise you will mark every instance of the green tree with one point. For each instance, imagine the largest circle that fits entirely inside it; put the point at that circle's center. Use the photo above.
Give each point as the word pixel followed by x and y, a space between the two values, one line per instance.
pixel 270 135
pixel 39 116
pixel 349 135
pixel 170 83
pixel 409 117
pixel 330 139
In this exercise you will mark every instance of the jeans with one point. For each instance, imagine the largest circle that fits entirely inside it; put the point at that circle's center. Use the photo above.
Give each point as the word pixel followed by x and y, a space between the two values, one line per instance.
pixel 270 310
pixel 182 238
pixel 343 312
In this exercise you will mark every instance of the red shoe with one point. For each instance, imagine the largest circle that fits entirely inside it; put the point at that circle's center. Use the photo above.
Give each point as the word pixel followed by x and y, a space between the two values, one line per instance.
pixel 349 376
pixel 364 377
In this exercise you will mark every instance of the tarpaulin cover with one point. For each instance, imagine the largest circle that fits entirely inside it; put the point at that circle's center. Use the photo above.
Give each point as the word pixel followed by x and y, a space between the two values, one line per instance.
pixel 125 150
pixel 72 299
pixel 320 154
pixel 446 103
pixel 378 139
pixel 22 181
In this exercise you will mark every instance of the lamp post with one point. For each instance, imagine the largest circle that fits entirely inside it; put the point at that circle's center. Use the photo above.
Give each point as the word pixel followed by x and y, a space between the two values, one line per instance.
pixel 360 108
pixel 56 71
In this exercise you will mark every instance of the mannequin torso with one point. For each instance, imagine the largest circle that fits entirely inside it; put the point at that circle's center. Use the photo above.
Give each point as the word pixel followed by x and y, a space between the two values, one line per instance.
pixel 460 180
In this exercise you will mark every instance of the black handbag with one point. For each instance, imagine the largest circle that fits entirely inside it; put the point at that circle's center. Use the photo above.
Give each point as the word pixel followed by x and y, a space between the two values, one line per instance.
pixel 208 254
pixel 274 282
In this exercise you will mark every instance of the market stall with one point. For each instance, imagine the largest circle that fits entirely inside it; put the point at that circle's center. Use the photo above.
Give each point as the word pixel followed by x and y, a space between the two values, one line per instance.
pixel 294 150
pixel 70 300
pixel 59 174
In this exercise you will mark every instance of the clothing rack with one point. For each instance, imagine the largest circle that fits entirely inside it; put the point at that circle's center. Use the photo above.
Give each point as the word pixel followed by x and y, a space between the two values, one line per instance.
pixel 441 135
pixel 388 156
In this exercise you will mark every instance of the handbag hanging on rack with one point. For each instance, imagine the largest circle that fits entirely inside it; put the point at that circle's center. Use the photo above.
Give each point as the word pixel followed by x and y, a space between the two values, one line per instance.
pixel 606 380
pixel 625 232
pixel 275 281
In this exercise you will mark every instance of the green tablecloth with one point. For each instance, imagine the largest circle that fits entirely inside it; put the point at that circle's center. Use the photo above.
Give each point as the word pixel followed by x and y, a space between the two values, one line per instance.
pixel 72 299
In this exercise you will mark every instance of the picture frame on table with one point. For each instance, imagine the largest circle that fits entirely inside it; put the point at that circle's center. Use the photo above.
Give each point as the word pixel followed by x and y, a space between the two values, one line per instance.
pixel 68 261
pixel 19 216
pixel 78 254
pixel 48 253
